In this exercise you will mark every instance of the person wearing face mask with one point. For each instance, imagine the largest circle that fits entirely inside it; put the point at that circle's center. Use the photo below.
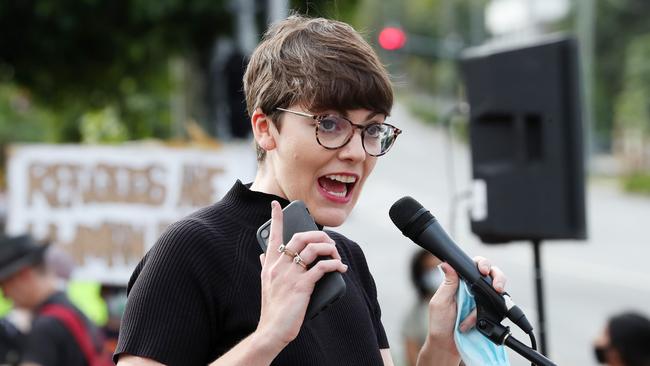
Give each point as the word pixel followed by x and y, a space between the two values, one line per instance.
pixel 624 341
pixel 426 277
pixel 318 98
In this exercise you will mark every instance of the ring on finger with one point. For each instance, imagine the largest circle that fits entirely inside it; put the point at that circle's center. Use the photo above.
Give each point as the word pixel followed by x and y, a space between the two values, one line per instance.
pixel 282 248
pixel 297 259
pixel 289 252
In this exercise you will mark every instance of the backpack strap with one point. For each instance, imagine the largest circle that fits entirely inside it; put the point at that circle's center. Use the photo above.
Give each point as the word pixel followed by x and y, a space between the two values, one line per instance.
pixel 76 326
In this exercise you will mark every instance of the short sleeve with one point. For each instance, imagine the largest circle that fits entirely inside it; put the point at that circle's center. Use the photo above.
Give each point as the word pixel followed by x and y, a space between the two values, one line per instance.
pixel 167 316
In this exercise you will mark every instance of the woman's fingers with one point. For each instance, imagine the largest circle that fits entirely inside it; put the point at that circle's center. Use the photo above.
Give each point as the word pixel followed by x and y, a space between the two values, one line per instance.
pixel 323 266
pixel 484 265
pixel 442 312
pixel 446 292
pixel 498 279
pixel 275 235
pixel 487 269
pixel 315 250
pixel 469 322
pixel 300 240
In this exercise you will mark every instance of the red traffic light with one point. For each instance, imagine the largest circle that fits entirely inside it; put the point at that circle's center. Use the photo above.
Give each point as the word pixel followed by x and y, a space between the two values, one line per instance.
pixel 392 38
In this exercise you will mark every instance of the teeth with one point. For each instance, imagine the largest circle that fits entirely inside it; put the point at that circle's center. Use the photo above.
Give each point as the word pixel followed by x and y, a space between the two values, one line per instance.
pixel 338 194
pixel 342 178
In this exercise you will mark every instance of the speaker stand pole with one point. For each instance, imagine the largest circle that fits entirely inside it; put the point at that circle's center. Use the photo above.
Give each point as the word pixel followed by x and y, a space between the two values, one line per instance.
pixel 541 322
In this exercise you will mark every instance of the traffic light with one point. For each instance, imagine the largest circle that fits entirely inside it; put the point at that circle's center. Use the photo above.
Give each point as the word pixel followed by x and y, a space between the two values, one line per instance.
pixel 392 38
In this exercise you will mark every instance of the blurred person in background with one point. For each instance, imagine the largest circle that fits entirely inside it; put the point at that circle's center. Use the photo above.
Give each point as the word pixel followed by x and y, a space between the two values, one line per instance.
pixel 26 280
pixel 625 341
pixel 11 343
pixel 318 98
pixel 61 265
pixel 426 277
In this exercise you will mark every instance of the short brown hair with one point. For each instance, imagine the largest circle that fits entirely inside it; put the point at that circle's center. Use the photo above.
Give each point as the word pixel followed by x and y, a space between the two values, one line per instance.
pixel 319 64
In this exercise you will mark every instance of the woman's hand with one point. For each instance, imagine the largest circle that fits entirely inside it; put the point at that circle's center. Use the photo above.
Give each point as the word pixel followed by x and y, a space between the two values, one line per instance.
pixel 286 285
pixel 498 283
pixel 439 347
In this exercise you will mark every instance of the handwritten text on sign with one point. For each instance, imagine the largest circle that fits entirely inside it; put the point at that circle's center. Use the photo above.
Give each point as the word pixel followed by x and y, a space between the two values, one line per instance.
pixel 106 206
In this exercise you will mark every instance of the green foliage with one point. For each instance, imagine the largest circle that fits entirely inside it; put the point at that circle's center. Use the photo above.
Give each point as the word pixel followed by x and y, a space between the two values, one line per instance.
pixel 20 118
pixel 343 10
pixel 637 183
pixel 422 108
pixel 72 59
pixel 633 104
pixel 75 57
pixel 102 126
pixel 618 23
pixel 433 27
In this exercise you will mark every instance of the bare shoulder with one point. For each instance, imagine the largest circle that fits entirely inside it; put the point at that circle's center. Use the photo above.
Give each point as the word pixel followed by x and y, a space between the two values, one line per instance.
pixel 130 360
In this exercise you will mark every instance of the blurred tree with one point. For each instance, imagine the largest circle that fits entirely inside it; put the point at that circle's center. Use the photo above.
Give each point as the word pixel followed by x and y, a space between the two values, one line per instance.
pixel 343 10
pixel 76 57
pixel 436 30
pixel 618 23
pixel 632 107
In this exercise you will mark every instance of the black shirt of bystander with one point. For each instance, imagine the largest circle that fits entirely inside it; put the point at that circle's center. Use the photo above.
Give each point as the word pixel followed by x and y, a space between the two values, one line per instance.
pixel 197 293
pixel 50 343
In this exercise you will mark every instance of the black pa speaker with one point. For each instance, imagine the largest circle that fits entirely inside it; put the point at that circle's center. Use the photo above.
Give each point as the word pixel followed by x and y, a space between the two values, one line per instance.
pixel 526 141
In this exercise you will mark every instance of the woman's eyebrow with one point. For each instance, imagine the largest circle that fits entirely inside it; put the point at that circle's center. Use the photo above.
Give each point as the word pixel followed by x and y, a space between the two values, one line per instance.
pixel 370 115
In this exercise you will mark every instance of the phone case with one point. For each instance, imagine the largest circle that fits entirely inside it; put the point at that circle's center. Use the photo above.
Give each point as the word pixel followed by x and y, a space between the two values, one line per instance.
pixel 296 219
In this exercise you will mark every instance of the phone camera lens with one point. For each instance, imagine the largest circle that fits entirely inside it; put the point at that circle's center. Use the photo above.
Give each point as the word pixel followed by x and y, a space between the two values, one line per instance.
pixel 265 233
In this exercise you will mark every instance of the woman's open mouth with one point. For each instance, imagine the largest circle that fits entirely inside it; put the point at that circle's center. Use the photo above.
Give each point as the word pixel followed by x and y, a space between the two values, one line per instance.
pixel 337 187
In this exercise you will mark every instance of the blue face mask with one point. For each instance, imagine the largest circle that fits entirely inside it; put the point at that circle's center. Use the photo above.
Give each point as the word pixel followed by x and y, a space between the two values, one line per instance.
pixel 474 348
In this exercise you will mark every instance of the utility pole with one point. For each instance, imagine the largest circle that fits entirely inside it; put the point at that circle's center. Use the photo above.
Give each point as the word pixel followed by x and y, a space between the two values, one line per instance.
pixel 476 22
pixel 278 10
pixel 585 24
pixel 246 26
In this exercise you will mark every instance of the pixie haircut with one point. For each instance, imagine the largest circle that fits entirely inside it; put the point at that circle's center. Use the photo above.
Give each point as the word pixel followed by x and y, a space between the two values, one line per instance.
pixel 319 64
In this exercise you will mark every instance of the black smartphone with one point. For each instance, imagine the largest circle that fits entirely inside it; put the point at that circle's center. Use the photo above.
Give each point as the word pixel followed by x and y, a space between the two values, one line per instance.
pixel 296 219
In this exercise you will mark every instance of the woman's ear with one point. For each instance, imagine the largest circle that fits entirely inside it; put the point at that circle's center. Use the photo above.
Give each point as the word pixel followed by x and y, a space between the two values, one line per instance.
pixel 262 130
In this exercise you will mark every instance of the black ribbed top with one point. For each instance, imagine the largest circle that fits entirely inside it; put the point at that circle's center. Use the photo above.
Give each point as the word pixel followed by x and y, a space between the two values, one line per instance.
pixel 196 294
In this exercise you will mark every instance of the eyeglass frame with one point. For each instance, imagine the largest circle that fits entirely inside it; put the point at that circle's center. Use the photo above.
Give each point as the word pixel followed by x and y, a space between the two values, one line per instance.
pixel 318 118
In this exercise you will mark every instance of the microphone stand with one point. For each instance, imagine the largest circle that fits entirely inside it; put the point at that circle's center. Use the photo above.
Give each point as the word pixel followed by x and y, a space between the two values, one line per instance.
pixel 489 325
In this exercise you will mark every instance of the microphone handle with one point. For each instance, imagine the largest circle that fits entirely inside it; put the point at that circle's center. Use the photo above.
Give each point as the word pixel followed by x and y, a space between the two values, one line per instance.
pixel 437 241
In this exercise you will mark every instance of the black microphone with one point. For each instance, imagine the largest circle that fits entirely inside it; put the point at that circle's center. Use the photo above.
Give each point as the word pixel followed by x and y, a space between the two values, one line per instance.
pixel 419 225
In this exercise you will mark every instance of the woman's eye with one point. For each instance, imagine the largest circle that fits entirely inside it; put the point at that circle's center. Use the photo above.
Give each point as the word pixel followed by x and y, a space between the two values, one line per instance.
pixel 373 130
pixel 328 125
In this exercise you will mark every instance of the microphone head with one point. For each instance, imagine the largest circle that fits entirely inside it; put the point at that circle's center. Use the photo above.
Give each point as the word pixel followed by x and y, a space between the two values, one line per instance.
pixel 409 216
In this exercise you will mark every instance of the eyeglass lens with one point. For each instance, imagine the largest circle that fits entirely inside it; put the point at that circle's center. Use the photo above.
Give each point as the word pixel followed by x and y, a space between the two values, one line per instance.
pixel 334 132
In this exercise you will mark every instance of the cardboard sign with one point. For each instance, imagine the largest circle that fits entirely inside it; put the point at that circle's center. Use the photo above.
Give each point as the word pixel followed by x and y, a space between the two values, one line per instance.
pixel 107 205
